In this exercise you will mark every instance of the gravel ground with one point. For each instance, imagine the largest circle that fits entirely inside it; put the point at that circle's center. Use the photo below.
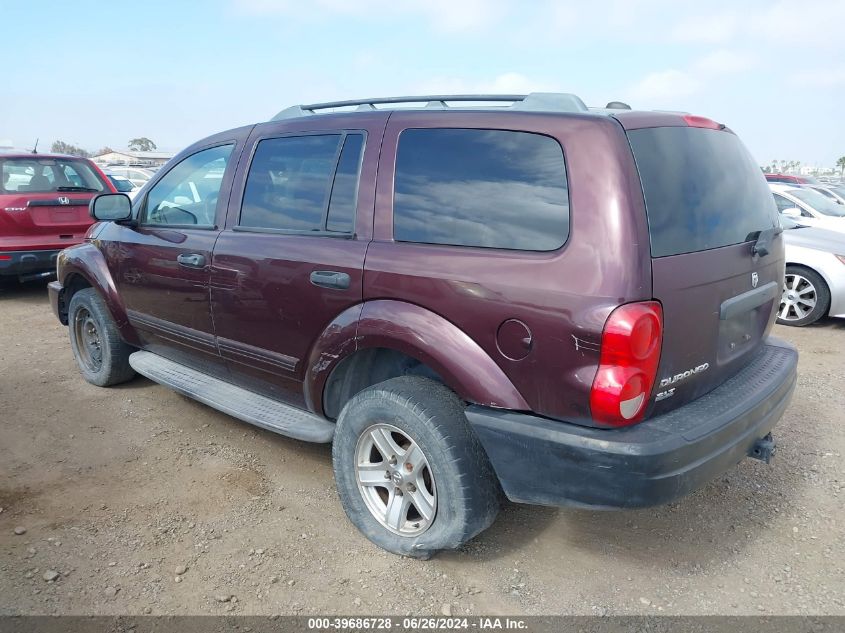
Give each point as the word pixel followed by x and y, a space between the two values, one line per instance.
pixel 136 500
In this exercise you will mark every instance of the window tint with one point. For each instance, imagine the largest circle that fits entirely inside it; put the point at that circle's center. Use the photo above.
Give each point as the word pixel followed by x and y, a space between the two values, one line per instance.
pixel 188 193
pixel 783 203
pixel 487 188
pixel 818 202
pixel 702 189
pixel 44 175
pixel 345 189
pixel 303 183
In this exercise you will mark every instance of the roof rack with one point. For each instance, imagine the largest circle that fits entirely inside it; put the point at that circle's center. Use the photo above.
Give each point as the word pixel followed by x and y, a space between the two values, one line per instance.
pixel 535 101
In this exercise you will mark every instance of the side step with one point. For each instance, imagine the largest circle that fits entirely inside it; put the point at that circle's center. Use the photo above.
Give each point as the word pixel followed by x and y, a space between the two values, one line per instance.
pixel 235 401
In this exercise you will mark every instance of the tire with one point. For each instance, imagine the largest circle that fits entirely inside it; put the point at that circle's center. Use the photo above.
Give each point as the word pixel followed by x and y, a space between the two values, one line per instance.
pixel 466 493
pixel 92 328
pixel 801 287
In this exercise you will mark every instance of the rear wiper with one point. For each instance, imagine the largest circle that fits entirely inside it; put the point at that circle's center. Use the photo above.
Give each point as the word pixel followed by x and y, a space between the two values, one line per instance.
pixel 75 189
pixel 764 240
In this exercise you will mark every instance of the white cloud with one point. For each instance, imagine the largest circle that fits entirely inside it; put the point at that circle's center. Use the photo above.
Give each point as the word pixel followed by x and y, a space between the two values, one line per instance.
pixel 444 15
pixel 815 23
pixel 506 83
pixel 664 87
pixel 708 29
pixel 725 62
pixel 819 78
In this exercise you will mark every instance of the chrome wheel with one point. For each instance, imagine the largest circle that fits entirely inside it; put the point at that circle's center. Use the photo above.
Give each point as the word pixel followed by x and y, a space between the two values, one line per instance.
pixel 88 343
pixel 798 299
pixel 395 480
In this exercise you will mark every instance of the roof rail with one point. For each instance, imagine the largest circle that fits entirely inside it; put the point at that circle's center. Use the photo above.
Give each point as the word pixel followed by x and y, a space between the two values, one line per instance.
pixel 535 101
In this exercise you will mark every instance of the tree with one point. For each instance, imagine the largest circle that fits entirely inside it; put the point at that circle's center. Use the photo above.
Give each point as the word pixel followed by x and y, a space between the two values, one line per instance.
pixel 142 144
pixel 841 164
pixel 104 150
pixel 60 147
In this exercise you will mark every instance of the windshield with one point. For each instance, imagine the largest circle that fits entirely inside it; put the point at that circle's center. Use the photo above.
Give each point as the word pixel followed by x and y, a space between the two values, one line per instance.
pixel 818 202
pixel 121 184
pixel 46 175
pixel 702 189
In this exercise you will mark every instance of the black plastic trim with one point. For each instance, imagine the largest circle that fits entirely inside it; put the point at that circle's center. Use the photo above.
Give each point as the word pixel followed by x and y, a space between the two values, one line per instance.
pixel 546 462
pixel 747 301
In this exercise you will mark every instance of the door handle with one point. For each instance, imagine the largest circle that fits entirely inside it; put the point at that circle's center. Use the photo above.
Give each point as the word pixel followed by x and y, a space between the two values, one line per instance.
pixel 330 279
pixel 191 260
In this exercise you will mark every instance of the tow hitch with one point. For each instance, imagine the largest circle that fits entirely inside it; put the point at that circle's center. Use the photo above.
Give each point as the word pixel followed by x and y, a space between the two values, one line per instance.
pixel 764 449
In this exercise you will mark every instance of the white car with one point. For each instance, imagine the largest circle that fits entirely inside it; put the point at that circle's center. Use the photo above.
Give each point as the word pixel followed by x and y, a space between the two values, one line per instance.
pixel 123 184
pixel 808 206
pixel 138 175
pixel 814 284
pixel 829 191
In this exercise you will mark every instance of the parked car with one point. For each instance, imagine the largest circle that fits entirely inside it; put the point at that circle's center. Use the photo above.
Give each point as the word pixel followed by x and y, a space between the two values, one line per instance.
pixel 793 180
pixel 809 205
pixel 123 185
pixel 833 193
pixel 43 208
pixel 814 285
pixel 137 175
pixel 461 306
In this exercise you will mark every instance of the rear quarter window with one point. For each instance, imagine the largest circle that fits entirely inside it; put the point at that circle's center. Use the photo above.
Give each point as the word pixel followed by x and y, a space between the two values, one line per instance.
pixel 482 188
pixel 702 189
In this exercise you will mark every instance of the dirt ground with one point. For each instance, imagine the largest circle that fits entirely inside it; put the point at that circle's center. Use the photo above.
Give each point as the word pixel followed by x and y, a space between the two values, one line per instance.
pixel 138 500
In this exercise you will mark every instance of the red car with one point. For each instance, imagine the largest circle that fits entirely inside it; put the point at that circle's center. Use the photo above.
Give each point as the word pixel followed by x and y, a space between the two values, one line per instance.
pixel 792 180
pixel 43 209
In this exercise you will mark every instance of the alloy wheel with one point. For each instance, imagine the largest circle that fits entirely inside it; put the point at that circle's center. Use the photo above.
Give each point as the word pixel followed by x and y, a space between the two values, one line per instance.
pixel 798 299
pixel 395 480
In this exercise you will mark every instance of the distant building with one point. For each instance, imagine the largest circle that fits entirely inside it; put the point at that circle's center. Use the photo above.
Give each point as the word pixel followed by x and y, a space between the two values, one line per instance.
pixel 129 157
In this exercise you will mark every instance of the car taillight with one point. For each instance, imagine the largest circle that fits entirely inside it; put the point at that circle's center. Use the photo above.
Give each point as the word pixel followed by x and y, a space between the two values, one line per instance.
pixel 693 120
pixel 630 353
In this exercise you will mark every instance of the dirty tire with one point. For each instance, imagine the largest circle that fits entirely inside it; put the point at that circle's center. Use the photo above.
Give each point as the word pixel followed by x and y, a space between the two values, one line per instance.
pixel 87 309
pixel 468 496
pixel 822 296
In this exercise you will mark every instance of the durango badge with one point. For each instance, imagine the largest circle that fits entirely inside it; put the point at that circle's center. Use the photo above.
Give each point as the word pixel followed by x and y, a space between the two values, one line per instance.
pixel 665 382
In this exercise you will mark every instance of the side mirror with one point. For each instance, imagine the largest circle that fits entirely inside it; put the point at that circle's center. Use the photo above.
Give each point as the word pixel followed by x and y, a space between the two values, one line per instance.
pixel 792 212
pixel 110 207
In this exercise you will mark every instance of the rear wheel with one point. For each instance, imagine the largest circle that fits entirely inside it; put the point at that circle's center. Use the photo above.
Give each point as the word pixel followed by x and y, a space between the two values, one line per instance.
pixel 101 354
pixel 411 474
pixel 805 297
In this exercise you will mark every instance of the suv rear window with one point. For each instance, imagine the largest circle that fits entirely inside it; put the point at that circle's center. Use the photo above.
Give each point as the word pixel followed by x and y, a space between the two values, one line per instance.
pixel 47 175
pixel 487 188
pixel 702 189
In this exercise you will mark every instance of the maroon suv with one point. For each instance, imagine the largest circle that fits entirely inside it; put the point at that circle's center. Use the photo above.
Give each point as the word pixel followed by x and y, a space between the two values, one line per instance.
pixel 43 209
pixel 567 305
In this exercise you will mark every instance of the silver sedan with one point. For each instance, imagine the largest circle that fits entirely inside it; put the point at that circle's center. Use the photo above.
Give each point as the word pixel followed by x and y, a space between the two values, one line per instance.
pixel 814 285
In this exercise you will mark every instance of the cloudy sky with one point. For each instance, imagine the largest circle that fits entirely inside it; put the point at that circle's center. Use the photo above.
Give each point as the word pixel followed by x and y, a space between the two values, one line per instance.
pixel 95 73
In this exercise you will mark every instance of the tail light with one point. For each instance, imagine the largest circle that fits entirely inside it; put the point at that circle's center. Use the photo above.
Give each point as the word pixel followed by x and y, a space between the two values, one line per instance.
pixel 630 353
pixel 694 120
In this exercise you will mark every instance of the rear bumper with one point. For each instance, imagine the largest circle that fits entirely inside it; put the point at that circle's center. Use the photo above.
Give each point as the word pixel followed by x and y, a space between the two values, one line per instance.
pixel 553 463
pixel 28 263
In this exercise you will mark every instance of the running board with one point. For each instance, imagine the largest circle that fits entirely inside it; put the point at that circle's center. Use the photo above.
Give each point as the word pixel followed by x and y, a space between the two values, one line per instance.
pixel 235 401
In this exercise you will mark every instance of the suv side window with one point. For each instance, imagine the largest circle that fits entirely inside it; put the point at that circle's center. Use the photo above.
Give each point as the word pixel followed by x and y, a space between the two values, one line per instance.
pixel 187 194
pixel 485 188
pixel 303 183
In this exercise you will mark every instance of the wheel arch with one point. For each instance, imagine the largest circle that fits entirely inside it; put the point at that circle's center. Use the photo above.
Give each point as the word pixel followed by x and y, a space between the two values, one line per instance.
pixel 85 266
pixel 383 339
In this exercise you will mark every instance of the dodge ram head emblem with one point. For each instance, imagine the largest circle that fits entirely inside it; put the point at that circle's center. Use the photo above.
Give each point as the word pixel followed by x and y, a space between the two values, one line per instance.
pixel 66 200
pixel 755 279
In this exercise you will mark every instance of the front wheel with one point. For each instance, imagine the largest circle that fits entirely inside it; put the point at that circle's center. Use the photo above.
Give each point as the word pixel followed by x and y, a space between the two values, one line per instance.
pixel 805 297
pixel 410 472
pixel 101 354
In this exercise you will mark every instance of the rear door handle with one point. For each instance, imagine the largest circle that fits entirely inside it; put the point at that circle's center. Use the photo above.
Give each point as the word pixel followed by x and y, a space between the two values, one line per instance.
pixel 191 260
pixel 330 279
